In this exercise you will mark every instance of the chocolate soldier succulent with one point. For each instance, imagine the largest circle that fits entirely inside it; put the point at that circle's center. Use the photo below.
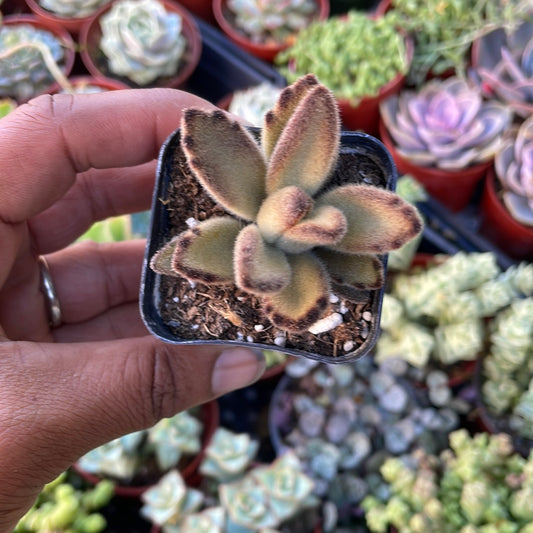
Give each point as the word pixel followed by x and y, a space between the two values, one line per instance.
pixel 291 240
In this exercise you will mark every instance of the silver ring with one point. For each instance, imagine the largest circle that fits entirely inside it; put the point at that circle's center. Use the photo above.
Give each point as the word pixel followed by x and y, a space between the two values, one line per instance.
pixel 50 296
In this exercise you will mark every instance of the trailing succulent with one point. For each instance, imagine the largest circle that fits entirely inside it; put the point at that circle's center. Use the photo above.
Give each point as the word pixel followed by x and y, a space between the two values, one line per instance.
pixel 289 242
pixel 445 124
pixel 141 40
pixel 514 169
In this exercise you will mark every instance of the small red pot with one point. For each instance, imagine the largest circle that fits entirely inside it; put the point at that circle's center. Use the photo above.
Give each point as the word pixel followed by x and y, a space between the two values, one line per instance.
pixel 500 227
pixel 107 84
pixel 267 52
pixel 200 8
pixel 62 34
pixel 453 188
pixel 96 62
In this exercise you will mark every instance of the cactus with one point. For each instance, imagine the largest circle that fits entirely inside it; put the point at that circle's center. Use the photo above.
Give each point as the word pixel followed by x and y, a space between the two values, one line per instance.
pixel 514 169
pixel 445 124
pixel 72 8
pixel 141 40
pixel 267 21
pixel 288 242
pixel 31 59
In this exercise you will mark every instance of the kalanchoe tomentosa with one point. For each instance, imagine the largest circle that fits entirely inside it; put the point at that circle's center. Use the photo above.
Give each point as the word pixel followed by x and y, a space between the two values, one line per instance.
pixel 141 40
pixel 446 124
pixel 514 168
pixel 289 243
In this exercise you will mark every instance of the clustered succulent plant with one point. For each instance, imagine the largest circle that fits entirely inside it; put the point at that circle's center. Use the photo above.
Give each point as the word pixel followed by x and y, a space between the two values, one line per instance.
pixel 290 242
pixel 60 507
pixel 478 485
pixel 513 166
pixel 142 41
pixel 264 21
pixel 445 124
pixel 506 68
pixel 72 8
pixel 31 59
pixel 438 314
pixel 337 52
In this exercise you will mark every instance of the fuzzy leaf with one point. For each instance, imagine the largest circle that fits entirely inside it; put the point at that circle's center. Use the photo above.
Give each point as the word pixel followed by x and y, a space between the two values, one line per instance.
pixel 325 226
pixel 357 271
pixel 161 261
pixel 276 119
pixel 259 267
pixel 281 210
pixel 307 149
pixel 205 252
pixel 378 220
pixel 304 300
pixel 225 159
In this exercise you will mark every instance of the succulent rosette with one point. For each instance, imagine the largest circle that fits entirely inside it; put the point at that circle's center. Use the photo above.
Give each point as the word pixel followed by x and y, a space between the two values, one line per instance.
pixel 446 124
pixel 514 168
pixel 291 238
pixel 72 8
pixel 142 41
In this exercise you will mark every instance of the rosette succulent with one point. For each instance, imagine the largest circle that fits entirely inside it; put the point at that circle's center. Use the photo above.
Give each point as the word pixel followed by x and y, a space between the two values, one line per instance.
pixel 72 8
pixel 291 239
pixel 445 124
pixel 265 21
pixel 505 68
pixel 514 168
pixel 141 40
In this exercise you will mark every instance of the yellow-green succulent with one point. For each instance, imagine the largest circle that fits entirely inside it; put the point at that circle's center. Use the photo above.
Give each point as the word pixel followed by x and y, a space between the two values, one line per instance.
pixel 287 238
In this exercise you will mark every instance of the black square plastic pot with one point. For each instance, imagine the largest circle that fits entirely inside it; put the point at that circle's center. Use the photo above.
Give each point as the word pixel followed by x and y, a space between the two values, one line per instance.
pixel 362 159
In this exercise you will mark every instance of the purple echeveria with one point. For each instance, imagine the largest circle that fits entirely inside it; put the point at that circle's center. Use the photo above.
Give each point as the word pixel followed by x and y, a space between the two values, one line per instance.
pixel 514 169
pixel 445 124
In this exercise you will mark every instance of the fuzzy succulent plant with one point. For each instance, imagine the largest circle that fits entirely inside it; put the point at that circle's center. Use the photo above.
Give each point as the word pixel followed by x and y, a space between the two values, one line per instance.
pixel 291 240
pixel 266 21
pixel 445 124
pixel 142 40
pixel 72 8
pixel 505 69
pixel 513 165
pixel 31 59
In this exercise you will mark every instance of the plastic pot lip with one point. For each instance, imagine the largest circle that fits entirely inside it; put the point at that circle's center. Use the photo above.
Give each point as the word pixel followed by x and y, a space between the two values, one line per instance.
pixel 90 31
pixel 264 51
pixel 61 33
pixel 149 288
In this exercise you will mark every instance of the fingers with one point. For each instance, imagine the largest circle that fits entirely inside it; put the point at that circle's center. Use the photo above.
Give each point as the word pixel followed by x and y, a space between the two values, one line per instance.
pixel 71 398
pixel 49 140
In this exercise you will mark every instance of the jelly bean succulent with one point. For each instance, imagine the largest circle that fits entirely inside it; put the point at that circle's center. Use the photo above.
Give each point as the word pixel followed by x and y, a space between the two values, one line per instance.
pixel 291 239
pixel 445 124
pixel 266 21
pixel 72 8
pixel 514 169
pixel 141 40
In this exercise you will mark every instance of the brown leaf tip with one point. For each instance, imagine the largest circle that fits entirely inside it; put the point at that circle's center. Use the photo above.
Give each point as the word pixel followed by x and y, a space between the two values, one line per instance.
pixel 301 324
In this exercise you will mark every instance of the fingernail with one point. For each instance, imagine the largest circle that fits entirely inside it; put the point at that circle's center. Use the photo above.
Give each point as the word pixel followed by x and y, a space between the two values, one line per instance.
pixel 236 368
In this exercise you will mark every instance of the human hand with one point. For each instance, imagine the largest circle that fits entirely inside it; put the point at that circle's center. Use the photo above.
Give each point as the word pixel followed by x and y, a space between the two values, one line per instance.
pixel 65 162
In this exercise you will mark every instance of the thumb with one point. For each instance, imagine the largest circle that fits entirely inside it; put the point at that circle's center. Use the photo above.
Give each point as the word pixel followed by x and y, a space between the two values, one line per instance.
pixel 58 401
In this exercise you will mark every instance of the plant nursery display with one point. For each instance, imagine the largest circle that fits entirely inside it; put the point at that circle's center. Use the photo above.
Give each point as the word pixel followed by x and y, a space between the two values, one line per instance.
pixel 337 52
pixel 285 235
pixel 142 43
pixel 444 134
pixel 32 56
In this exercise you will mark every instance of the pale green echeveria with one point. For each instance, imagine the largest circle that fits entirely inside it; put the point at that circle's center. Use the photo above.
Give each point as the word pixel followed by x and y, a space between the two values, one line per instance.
pixel 72 8
pixel 228 455
pixel 141 40
pixel 169 501
pixel 514 169
pixel 445 124
pixel 287 242
pixel 210 520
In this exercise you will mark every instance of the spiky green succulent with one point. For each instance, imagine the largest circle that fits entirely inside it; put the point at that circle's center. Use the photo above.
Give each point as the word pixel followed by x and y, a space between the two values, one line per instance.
pixel 291 240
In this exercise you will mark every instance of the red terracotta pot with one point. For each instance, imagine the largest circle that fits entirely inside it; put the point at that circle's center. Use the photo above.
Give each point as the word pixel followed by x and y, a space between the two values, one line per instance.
pixel 200 8
pixel 96 62
pixel 107 84
pixel 210 419
pixel 60 33
pixel 500 227
pixel 453 188
pixel 71 24
pixel 267 52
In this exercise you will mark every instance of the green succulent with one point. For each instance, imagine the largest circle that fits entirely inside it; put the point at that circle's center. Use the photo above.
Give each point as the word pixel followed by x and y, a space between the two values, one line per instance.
pixel 288 242
pixel 6 106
